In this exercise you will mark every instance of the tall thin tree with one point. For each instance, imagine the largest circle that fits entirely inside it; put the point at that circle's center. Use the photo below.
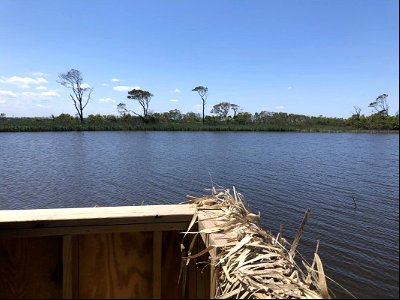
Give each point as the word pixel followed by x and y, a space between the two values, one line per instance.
pixel 203 92
pixel 74 81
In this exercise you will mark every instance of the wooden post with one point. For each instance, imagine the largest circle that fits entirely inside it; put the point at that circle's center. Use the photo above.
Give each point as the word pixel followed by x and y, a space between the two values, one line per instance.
pixel 157 257
pixel 213 277
pixel 70 267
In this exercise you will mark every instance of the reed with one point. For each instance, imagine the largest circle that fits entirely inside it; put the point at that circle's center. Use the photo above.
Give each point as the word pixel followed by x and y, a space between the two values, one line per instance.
pixel 253 263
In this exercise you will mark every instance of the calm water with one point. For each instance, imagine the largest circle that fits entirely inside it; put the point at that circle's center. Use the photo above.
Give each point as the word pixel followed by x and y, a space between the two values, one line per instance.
pixel 280 174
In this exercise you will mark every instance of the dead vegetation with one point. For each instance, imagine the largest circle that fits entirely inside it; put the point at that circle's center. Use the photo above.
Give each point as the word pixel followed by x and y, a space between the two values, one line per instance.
pixel 250 262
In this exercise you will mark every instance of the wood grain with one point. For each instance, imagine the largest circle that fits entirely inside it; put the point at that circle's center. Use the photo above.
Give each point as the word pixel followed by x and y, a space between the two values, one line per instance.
pixel 124 215
pixel 90 229
pixel 31 267
pixel 157 264
pixel 171 262
pixel 116 265
pixel 70 266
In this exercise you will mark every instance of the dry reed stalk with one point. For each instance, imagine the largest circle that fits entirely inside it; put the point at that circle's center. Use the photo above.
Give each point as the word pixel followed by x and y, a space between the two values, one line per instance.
pixel 252 263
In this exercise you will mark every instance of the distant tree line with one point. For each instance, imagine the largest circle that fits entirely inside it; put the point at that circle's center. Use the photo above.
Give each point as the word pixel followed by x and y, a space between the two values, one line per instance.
pixel 176 120
pixel 223 114
pixel 378 120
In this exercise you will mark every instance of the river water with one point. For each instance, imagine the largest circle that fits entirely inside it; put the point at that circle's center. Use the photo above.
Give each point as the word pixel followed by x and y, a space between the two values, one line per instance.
pixel 350 182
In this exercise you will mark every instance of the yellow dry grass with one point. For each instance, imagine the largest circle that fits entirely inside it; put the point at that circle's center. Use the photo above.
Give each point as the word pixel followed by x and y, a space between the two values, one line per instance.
pixel 254 263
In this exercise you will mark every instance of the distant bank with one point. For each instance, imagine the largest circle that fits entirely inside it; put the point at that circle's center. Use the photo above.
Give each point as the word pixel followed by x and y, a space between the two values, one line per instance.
pixel 275 122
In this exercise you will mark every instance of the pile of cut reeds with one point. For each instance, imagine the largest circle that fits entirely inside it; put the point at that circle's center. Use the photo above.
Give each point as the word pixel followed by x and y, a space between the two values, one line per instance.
pixel 251 262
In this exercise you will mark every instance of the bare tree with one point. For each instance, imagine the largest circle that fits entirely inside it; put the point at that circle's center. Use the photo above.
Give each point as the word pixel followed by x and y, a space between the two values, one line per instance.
pixel 74 81
pixel 357 111
pixel 380 105
pixel 123 110
pixel 203 92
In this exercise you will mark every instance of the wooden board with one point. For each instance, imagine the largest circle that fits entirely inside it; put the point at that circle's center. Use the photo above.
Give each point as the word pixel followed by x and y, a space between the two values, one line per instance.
pixel 171 262
pixel 116 265
pixel 70 266
pixel 31 267
pixel 209 219
pixel 91 229
pixel 96 216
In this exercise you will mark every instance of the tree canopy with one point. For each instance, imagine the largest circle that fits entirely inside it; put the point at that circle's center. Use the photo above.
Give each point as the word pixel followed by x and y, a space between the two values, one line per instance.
pixel 221 109
pixel 380 105
pixel 143 97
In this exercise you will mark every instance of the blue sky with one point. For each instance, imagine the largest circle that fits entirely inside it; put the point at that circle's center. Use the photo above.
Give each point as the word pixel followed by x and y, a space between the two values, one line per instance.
pixel 308 57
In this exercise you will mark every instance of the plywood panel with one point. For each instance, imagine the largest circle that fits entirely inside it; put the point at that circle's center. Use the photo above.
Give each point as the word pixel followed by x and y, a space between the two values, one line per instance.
pixel 203 271
pixel 171 262
pixel 116 265
pixel 70 266
pixel 157 264
pixel 31 267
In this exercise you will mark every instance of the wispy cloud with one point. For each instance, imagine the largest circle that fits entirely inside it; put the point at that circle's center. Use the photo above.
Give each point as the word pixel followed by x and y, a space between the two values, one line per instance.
pixel 107 100
pixel 42 105
pixel 115 80
pixel 41 95
pixel 40 74
pixel 174 100
pixel 30 94
pixel 104 84
pixel 198 107
pixel 177 90
pixel 8 93
pixel 22 82
pixel 50 94
pixel 289 87
pixel 41 88
pixel 85 86
pixel 124 88
pixel 279 107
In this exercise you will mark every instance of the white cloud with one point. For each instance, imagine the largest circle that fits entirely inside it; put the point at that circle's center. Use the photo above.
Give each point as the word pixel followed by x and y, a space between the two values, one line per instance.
pixel 115 80
pixel 50 94
pixel 8 93
pixel 107 100
pixel 104 84
pixel 289 87
pixel 198 107
pixel 124 88
pixel 85 86
pixel 22 82
pixel 24 86
pixel 41 74
pixel 279 107
pixel 177 90
pixel 3 101
pixel 30 94
pixel 41 88
pixel 41 95
pixel 174 100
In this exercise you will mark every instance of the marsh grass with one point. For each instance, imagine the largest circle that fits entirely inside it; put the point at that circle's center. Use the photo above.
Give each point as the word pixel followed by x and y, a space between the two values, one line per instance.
pixel 252 263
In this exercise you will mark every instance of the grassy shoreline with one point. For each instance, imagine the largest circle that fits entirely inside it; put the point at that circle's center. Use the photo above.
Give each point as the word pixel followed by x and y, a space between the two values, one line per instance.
pixel 51 126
